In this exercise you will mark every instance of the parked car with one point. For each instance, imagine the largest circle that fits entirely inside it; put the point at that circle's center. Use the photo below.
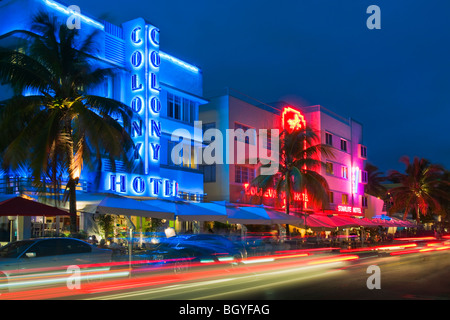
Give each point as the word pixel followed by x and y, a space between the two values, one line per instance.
pixel 180 252
pixel 28 260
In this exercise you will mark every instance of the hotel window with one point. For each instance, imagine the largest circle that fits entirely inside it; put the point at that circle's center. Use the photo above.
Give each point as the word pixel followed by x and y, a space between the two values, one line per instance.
pixel 329 168
pixel 188 110
pixel 180 108
pixel 328 138
pixel 364 201
pixel 362 151
pixel 344 172
pixel 331 197
pixel 344 145
pixel 209 172
pixel 267 143
pixel 344 198
pixel 364 176
pixel 207 126
pixel 186 162
pixel 247 133
pixel 243 174
pixel 173 106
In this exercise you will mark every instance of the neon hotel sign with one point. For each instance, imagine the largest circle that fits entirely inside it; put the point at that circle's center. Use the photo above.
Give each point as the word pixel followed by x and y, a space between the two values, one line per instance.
pixel 142 93
pixel 271 193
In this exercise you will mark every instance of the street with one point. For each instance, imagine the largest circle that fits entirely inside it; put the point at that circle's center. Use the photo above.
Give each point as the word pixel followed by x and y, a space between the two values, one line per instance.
pixel 410 272
pixel 420 276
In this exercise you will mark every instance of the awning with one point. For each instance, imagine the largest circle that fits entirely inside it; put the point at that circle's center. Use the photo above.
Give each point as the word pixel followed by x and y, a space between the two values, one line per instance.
pixel 130 207
pixel 283 218
pixel 240 216
pixel 19 206
pixel 201 211
pixel 354 221
pixel 342 221
pixel 318 221
pixel 404 223
pixel 393 222
pixel 275 217
pixel 366 222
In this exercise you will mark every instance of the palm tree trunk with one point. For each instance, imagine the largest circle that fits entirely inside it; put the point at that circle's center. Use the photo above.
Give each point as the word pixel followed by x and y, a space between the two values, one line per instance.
pixel 405 214
pixel 73 205
pixel 287 212
pixel 288 200
pixel 417 215
pixel 73 181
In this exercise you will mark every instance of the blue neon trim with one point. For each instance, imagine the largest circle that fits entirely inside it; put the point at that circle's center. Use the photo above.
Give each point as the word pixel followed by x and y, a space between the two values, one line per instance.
pixel 63 9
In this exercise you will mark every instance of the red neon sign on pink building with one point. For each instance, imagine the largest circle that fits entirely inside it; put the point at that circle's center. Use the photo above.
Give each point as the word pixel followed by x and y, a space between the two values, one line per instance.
pixel 292 120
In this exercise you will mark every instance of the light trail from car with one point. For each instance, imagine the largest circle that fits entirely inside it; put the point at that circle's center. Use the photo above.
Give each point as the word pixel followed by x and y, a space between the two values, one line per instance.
pixel 151 279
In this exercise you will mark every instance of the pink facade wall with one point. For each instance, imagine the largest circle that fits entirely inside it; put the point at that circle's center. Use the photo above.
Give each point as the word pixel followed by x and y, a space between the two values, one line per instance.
pixel 346 194
pixel 320 119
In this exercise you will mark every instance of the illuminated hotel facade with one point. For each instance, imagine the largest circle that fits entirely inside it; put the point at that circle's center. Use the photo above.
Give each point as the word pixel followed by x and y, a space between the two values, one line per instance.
pixel 163 91
pixel 344 171
pixel 166 97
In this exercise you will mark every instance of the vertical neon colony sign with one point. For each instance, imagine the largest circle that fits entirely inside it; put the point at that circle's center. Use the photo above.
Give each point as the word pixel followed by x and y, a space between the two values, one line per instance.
pixel 143 59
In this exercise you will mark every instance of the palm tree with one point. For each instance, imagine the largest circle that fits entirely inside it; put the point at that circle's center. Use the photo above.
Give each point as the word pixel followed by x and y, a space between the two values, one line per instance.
pixel 422 188
pixel 60 127
pixel 300 159
pixel 374 180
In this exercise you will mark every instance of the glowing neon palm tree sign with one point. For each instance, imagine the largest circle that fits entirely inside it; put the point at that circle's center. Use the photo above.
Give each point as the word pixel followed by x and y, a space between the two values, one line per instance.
pixel 292 120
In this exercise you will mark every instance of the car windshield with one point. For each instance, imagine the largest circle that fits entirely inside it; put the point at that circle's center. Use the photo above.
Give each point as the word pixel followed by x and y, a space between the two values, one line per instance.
pixel 15 249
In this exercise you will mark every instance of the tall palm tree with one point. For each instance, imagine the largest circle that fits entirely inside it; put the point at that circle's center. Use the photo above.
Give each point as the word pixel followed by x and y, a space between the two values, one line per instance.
pixel 60 127
pixel 421 190
pixel 300 158
pixel 374 180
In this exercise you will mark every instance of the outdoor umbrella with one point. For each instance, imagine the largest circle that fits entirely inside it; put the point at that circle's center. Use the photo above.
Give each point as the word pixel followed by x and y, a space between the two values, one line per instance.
pixel 19 206
pixel 130 207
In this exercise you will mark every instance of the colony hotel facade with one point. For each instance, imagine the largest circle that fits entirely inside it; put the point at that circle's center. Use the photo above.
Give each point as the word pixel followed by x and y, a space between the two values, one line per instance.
pixel 166 95
pixel 163 91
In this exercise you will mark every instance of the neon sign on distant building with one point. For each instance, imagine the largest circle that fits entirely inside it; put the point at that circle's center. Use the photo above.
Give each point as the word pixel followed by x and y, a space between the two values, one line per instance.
pixel 348 209
pixel 355 179
pixel 292 120
pixel 271 193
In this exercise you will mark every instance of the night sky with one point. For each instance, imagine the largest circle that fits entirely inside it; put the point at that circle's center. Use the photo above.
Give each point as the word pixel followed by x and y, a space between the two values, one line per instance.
pixel 395 81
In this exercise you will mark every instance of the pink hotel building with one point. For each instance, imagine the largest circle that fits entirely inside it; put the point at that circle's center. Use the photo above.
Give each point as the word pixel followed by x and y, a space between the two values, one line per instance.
pixel 344 172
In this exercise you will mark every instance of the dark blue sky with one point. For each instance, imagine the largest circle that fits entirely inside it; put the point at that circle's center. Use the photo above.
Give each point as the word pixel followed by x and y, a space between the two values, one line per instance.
pixel 396 81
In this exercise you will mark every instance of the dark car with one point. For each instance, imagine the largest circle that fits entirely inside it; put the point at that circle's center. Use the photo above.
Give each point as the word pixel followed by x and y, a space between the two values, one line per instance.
pixel 37 259
pixel 180 252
